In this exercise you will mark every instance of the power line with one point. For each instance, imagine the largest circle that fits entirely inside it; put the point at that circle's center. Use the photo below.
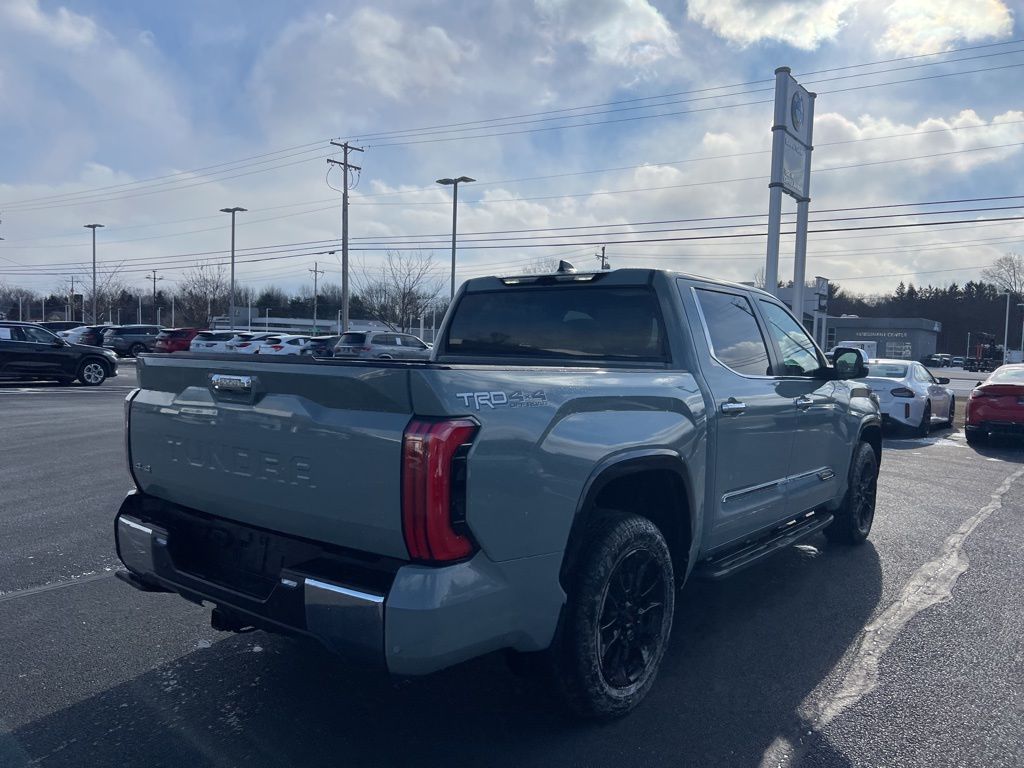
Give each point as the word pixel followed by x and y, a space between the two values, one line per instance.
pixel 190 173
pixel 277 255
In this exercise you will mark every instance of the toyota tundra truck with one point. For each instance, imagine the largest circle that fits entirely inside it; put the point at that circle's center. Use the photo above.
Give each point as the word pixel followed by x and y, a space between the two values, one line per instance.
pixel 576 447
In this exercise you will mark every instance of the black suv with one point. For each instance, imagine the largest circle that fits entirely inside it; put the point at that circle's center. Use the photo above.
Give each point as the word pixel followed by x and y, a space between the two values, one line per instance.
pixel 131 340
pixel 28 351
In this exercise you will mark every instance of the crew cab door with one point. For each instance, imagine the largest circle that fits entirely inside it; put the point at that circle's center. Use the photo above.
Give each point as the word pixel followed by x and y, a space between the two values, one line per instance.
pixel 753 426
pixel 822 446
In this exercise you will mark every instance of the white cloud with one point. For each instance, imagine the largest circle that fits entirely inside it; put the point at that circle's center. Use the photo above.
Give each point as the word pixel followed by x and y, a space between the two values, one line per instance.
pixel 801 23
pixel 63 28
pixel 897 26
pixel 923 26
pixel 370 51
pixel 630 33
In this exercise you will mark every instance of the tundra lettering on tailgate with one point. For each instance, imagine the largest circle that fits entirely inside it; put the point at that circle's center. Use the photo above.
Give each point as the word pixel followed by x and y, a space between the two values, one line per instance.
pixel 241 462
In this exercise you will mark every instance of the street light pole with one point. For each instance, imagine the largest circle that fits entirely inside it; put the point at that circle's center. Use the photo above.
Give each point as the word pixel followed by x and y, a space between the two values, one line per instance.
pixel 94 227
pixel 231 302
pixel 1021 306
pixel 454 184
pixel 1006 327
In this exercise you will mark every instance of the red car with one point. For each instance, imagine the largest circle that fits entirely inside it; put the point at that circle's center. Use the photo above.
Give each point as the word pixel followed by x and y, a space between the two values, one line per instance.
pixel 174 339
pixel 997 405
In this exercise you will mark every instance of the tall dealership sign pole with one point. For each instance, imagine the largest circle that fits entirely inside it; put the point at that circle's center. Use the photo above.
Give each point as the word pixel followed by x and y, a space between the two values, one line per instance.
pixel 792 133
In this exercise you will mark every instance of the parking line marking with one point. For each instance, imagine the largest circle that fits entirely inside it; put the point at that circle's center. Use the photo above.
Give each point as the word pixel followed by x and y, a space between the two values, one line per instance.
pixel 5 596
pixel 931 584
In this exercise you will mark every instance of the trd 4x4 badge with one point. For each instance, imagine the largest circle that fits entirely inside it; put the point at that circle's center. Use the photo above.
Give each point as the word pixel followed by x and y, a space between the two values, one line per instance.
pixel 517 399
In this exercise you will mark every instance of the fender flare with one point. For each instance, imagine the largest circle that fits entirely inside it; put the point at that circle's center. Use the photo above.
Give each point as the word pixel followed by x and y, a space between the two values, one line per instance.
pixel 632 462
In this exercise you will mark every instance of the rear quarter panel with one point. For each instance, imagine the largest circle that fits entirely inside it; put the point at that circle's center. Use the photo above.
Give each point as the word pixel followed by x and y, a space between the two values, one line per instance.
pixel 546 432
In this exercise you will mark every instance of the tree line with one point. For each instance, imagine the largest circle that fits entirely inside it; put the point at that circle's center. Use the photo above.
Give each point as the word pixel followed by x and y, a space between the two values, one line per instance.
pixel 403 287
pixel 978 307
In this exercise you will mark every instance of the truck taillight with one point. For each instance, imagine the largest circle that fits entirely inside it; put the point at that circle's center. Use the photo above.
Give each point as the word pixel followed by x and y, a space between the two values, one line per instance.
pixel 434 488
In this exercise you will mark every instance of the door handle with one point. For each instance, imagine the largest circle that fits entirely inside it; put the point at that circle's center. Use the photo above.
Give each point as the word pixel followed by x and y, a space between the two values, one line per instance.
pixel 733 407
pixel 803 402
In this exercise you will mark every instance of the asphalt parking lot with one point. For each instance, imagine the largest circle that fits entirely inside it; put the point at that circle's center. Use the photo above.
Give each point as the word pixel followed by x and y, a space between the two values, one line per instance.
pixel 908 651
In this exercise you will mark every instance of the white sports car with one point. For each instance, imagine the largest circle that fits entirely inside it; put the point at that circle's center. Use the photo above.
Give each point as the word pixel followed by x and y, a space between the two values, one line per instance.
pixel 910 396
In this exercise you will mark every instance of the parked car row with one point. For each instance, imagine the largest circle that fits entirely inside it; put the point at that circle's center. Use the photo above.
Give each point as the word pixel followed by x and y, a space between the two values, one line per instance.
pixel 383 345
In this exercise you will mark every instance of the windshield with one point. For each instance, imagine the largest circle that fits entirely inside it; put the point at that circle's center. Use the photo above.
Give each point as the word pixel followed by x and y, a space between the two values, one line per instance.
pixel 887 371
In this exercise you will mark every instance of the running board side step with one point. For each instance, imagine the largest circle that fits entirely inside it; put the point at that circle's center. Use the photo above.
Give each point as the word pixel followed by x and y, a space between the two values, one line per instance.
pixel 726 564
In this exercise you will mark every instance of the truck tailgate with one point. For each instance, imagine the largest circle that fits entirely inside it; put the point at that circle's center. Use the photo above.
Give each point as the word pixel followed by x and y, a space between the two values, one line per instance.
pixel 308 449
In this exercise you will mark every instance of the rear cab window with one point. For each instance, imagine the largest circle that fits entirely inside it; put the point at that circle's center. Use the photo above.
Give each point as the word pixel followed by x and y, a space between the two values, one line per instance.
pixel 584 323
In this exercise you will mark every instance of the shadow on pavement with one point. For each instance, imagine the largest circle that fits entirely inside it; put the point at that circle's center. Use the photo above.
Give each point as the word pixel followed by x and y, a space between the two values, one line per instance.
pixel 744 655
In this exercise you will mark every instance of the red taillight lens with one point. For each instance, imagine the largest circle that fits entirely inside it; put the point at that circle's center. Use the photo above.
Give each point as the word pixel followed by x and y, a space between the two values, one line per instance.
pixel 276 347
pixel 902 392
pixel 433 489
pixel 365 349
pixel 243 344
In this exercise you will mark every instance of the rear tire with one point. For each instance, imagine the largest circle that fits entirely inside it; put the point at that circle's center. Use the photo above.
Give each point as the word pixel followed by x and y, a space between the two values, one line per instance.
pixel 92 373
pixel 852 521
pixel 617 619
pixel 975 437
pixel 925 427
pixel 136 349
pixel 952 412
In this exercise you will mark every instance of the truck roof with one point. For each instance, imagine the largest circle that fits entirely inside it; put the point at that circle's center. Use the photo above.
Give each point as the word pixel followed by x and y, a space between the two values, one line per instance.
pixel 625 276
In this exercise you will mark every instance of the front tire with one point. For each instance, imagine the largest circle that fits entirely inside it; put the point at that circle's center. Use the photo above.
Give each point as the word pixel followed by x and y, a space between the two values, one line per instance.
pixel 952 412
pixel 92 373
pixel 617 620
pixel 851 523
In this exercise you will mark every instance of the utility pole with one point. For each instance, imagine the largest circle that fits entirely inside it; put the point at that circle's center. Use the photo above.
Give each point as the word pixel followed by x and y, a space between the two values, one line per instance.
pixel 231 310
pixel 345 168
pixel 1006 328
pixel 71 301
pixel 316 273
pixel 154 278
pixel 603 258
pixel 172 310
pixel 93 227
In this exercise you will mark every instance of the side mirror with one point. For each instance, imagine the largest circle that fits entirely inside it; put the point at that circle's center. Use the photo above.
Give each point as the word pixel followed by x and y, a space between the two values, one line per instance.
pixel 850 363
pixel 58 342
pixel 943 380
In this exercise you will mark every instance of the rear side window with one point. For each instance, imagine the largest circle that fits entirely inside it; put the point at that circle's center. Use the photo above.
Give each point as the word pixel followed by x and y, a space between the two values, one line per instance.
pixel 735 337
pixel 583 322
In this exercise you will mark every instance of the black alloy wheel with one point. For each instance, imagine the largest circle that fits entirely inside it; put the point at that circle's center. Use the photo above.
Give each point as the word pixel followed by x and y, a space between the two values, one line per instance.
pixel 631 620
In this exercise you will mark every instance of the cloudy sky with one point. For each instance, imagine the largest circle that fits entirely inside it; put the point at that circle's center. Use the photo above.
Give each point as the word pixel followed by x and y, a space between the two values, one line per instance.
pixel 593 114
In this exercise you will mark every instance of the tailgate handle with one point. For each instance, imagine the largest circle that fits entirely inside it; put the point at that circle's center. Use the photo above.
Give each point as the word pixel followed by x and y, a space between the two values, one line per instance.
pixel 236 385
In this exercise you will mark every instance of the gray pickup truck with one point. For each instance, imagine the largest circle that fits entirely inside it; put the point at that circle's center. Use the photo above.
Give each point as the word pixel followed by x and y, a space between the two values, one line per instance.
pixel 577 446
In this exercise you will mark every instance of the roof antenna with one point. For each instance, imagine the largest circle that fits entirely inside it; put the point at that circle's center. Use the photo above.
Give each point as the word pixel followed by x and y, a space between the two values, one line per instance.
pixel 564 267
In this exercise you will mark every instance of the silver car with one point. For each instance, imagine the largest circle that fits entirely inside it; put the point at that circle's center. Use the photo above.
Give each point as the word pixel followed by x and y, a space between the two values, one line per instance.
pixel 909 396
pixel 383 345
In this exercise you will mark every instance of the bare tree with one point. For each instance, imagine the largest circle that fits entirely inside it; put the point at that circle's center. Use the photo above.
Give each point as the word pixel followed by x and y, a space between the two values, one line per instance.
pixel 202 293
pixel 9 300
pixel 1007 272
pixel 404 286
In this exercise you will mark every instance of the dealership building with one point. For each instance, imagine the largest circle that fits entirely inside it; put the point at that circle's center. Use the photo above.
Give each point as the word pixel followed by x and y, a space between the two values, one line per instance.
pixel 907 338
